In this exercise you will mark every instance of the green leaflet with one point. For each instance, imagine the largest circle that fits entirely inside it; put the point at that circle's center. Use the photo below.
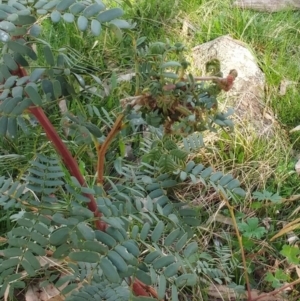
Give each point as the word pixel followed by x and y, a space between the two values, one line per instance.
pixel 40 3
pixel 69 18
pixel 12 127
pixel 59 236
pixel 3 125
pixel 181 242
pixel 32 260
pixel 95 247
pixel 35 236
pixel 117 261
pixel 62 251
pixel 10 62
pixel 36 74
pixel 82 23
pixel 4 15
pixel 109 270
pixel 4 36
pixel 86 231
pixel 172 269
pixel 55 16
pixel 157 232
pixel 57 89
pixel 131 247
pixel 225 180
pixel 48 55
pixel 95 27
pixel 170 64
pixel 186 280
pixel 235 183
pixel 18 6
pixel 121 24
pixel 190 249
pixel 49 4
pixel 163 261
pixel 135 231
pixel 22 49
pixel 105 238
pixel 8 8
pixel 145 230
pixel 17 92
pixel 216 176
pixel 152 256
pixel 12 252
pixel 194 222
pixel 93 10
pixel 110 14
pixel 77 8
pixel 10 82
pixel 5 72
pixel 172 237
pixel 85 256
pixel 25 19
pixel 206 172
pixel 19 58
pixel 156 193
pixel 11 104
pixel 64 4
pixel 239 191
pixel 36 248
pixel 174 293
pixel 124 253
pixel 143 276
pixel 162 286
pixel 9 263
pixel 20 232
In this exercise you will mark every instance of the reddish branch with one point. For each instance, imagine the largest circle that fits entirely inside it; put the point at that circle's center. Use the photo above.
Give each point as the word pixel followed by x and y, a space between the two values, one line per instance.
pixel 225 83
pixel 65 154
pixel 101 149
pixel 139 288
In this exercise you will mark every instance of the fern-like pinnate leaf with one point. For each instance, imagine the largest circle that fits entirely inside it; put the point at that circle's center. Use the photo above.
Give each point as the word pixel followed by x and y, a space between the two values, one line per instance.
pixel 45 175
pixel 104 291
pixel 26 241
pixel 44 84
pixel 12 194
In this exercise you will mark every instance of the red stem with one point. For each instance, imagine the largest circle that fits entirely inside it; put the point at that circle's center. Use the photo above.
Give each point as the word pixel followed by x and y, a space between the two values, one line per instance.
pixel 65 154
pixel 67 158
pixel 72 166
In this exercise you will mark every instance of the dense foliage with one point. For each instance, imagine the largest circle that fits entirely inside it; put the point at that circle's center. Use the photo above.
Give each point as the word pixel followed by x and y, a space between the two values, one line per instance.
pixel 113 216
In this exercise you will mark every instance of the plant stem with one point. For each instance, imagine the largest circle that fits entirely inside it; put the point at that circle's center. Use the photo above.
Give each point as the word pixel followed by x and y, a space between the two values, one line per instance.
pixel 277 291
pixel 67 158
pixel 65 154
pixel 231 210
pixel 103 148
pixel 72 166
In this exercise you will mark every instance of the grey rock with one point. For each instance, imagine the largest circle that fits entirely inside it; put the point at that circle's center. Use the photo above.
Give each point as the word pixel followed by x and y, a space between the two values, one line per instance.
pixel 247 95
pixel 268 5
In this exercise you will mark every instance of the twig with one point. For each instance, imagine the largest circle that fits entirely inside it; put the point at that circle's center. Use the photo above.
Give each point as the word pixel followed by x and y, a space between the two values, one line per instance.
pixel 230 208
pixel 275 292
pixel 103 148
